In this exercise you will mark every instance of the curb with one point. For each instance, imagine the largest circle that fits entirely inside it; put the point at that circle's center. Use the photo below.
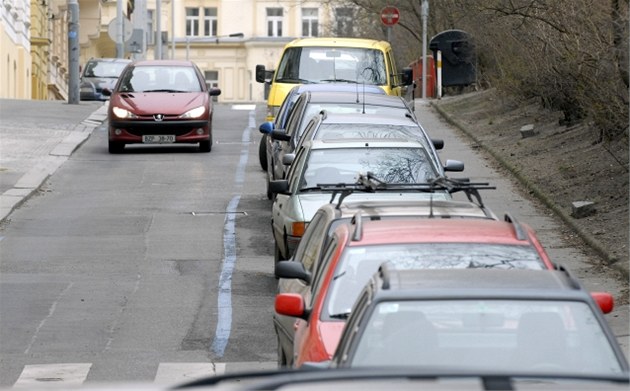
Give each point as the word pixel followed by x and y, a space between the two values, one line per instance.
pixel 540 195
pixel 32 180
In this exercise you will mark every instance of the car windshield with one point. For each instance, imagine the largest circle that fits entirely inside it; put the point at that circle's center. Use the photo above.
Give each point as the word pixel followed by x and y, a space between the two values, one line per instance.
pixel 390 165
pixel 347 108
pixel 358 264
pixel 160 79
pixel 364 130
pixel 516 336
pixel 104 69
pixel 325 64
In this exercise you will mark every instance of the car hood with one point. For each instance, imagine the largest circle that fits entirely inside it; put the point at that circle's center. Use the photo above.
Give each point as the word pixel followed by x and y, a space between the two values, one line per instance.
pixel 310 202
pixel 168 103
pixel 330 333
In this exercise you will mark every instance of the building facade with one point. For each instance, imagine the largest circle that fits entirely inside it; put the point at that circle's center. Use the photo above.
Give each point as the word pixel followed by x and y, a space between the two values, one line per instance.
pixel 225 38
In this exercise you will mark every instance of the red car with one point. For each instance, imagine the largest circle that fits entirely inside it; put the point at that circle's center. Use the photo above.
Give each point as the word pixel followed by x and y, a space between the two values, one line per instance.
pixel 160 102
pixel 357 250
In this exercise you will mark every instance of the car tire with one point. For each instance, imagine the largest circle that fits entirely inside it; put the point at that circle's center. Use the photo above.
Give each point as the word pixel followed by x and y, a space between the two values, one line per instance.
pixel 282 358
pixel 116 147
pixel 205 146
pixel 262 152
pixel 277 254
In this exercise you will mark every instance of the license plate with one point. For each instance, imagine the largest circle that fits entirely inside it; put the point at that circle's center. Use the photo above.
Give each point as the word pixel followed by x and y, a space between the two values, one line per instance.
pixel 158 139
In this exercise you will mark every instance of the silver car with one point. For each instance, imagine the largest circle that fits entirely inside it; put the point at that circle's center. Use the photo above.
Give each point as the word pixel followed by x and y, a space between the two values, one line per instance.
pixel 98 74
pixel 320 165
pixel 309 104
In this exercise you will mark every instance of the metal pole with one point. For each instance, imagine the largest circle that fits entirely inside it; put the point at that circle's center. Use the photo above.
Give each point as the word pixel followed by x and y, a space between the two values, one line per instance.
pixel 158 29
pixel 73 52
pixel 172 29
pixel 120 45
pixel 425 14
pixel 439 74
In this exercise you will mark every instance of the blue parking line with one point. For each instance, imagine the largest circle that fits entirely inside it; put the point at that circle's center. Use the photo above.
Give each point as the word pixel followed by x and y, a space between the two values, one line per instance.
pixel 224 318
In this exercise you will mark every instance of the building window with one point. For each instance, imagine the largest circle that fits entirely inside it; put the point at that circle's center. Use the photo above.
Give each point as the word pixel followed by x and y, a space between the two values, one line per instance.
pixel 210 22
pixel 344 22
pixel 212 80
pixel 192 22
pixel 310 22
pixel 274 22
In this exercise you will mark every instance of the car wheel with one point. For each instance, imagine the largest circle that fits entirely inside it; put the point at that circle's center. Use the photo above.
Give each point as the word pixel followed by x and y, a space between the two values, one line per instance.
pixel 262 152
pixel 282 358
pixel 116 147
pixel 205 146
pixel 277 254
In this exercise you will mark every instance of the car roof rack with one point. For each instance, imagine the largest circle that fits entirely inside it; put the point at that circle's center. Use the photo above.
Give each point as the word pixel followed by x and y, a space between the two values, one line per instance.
pixel 369 183
pixel 521 234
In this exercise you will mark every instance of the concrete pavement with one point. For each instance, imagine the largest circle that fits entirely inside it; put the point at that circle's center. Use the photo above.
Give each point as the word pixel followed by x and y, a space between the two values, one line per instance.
pixel 36 138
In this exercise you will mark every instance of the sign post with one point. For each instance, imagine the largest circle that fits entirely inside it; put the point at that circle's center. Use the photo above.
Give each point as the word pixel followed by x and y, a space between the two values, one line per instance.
pixel 389 17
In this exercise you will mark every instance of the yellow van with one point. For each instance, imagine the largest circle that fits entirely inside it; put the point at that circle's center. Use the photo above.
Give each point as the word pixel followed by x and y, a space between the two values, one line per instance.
pixel 332 60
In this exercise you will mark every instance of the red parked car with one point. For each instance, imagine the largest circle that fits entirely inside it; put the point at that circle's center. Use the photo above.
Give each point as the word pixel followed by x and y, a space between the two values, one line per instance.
pixel 357 250
pixel 160 102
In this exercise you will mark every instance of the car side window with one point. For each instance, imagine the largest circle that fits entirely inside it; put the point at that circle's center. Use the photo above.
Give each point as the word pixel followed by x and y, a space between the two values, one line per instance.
pixel 352 327
pixel 318 278
pixel 312 251
pixel 294 174
pixel 294 117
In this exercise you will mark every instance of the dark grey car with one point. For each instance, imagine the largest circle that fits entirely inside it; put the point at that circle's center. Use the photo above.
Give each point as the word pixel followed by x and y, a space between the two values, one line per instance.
pixel 99 73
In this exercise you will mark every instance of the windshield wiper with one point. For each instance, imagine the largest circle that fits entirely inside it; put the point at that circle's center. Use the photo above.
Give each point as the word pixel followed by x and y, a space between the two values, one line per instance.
pixel 294 80
pixel 312 188
pixel 165 90
pixel 342 315
pixel 339 81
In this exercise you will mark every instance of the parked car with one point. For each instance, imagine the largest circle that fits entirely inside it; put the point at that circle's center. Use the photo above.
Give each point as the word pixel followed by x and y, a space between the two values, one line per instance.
pixel 332 60
pixel 522 322
pixel 99 74
pixel 356 251
pixel 264 149
pixel 305 263
pixel 334 162
pixel 161 102
pixel 309 104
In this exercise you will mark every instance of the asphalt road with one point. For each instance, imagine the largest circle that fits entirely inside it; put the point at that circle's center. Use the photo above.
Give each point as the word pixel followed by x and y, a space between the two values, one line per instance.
pixel 156 264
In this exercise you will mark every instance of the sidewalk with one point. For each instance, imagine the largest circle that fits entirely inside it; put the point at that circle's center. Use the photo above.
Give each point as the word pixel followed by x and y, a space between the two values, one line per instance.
pixel 36 138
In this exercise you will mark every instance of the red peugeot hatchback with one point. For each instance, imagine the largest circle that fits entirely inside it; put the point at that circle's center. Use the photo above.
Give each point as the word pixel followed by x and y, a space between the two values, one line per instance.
pixel 161 102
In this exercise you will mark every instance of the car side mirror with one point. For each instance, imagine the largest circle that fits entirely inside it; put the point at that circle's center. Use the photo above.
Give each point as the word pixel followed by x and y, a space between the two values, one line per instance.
pixel 407 76
pixel 260 73
pixel 291 304
pixel 266 127
pixel 438 143
pixel 292 269
pixel 604 301
pixel 288 159
pixel 279 186
pixel 280 135
pixel 214 91
pixel 106 91
pixel 454 166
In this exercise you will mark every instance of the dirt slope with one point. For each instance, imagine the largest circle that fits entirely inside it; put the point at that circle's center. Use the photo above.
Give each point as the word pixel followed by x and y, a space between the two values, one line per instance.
pixel 559 165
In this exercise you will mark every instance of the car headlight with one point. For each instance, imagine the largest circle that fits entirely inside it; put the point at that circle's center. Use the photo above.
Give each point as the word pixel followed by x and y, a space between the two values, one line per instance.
pixel 122 113
pixel 194 113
